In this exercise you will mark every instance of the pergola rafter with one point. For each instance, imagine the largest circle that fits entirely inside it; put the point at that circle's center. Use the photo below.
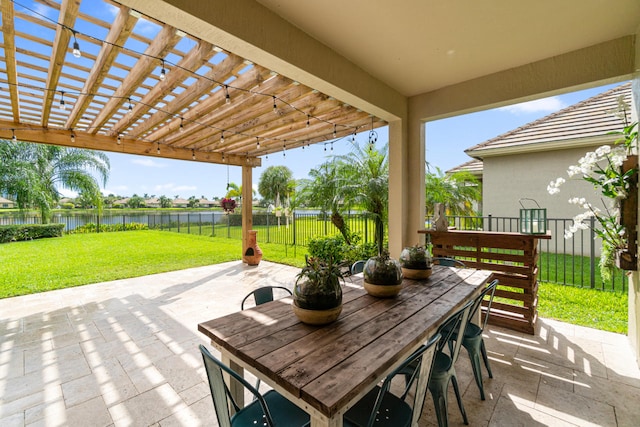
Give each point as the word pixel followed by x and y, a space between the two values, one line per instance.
pixel 117 101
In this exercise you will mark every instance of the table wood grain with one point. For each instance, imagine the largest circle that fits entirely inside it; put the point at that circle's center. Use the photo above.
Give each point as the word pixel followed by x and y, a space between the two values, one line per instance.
pixel 327 368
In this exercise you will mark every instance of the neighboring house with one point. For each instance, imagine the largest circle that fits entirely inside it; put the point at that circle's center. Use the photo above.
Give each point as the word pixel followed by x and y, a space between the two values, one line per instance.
pixel 521 163
pixel 204 203
pixel 180 203
pixel 6 203
pixel 153 202
pixel 121 202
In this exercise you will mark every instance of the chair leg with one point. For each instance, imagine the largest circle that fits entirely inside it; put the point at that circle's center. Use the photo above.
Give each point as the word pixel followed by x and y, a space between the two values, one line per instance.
pixel 439 395
pixel 459 399
pixel 477 371
pixel 483 349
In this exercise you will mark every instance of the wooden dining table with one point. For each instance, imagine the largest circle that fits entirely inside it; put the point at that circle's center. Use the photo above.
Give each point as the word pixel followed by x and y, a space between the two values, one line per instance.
pixel 326 369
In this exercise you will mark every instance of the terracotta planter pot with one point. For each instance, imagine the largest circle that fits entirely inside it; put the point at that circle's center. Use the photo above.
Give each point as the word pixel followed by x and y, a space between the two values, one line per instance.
pixel 317 317
pixel 415 274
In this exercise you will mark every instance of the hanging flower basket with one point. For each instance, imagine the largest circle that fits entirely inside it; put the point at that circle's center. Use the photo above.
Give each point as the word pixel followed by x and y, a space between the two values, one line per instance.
pixel 228 205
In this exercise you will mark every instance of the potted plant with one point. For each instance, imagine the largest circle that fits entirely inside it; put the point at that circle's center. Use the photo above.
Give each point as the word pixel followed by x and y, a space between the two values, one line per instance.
pixel 317 294
pixel 382 276
pixel 228 205
pixel 415 262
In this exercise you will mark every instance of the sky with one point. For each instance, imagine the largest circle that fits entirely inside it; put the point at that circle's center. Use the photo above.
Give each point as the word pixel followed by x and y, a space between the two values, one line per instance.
pixel 446 141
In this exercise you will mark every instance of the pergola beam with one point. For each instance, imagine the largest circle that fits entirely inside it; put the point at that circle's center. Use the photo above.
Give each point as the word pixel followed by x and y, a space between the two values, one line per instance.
pixel 10 57
pixel 62 137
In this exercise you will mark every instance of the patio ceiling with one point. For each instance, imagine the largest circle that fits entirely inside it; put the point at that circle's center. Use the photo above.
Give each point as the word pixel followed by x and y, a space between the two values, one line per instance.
pixel 211 105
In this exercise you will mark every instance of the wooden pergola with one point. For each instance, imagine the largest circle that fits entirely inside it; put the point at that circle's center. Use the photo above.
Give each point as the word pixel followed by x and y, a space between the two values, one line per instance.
pixel 112 79
pixel 144 87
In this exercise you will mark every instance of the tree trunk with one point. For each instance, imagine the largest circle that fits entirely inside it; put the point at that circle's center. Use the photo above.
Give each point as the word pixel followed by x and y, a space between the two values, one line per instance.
pixel 338 221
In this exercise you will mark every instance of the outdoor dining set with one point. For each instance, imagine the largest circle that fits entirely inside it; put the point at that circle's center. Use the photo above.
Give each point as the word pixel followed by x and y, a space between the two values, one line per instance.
pixel 374 366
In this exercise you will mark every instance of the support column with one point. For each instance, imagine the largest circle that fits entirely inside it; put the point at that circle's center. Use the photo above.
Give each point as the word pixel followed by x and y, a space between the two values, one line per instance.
pixel 247 207
pixel 406 185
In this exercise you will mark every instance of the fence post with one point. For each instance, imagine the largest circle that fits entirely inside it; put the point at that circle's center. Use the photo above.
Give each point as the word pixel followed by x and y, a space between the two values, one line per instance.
pixel 366 228
pixel 268 238
pixel 294 228
pixel 489 219
pixel 592 252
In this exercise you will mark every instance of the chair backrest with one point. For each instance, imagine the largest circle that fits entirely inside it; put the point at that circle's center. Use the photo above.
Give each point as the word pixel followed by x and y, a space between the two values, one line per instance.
pixel 453 330
pixel 448 262
pixel 262 295
pixel 357 267
pixel 220 392
pixel 423 356
pixel 477 303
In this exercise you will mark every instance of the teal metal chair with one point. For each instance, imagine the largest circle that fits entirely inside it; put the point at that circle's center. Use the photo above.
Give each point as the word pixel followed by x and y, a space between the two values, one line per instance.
pixel 271 409
pixel 472 339
pixel 381 408
pixel 357 267
pixel 444 371
pixel 448 262
pixel 262 295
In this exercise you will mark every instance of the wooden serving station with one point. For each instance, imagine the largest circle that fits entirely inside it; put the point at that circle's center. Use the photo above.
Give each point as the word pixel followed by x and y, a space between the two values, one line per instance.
pixel 513 257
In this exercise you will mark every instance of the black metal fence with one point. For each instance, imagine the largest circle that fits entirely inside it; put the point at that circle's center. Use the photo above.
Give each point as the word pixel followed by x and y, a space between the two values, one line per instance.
pixel 572 261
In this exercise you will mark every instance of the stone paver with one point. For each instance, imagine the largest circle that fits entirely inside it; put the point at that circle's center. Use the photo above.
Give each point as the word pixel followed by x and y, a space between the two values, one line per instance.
pixel 125 353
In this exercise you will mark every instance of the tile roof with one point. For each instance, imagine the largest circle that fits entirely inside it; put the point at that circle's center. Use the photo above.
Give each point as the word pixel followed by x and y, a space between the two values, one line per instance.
pixel 589 119
pixel 473 166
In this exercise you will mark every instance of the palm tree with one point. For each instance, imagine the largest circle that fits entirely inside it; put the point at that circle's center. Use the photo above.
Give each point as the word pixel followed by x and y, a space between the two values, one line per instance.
pixel 276 181
pixel 32 173
pixel 323 190
pixel 366 174
pixel 459 191
pixel 235 191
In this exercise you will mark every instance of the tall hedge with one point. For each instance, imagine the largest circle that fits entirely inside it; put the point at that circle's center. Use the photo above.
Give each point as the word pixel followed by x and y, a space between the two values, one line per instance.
pixel 13 233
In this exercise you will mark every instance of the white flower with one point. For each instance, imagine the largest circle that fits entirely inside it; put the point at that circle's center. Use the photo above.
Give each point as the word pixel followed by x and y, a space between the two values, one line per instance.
pixel 573 170
pixel 568 234
pixel 601 151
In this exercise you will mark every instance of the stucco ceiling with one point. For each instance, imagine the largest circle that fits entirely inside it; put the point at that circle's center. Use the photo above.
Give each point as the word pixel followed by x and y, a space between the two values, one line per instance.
pixel 417 46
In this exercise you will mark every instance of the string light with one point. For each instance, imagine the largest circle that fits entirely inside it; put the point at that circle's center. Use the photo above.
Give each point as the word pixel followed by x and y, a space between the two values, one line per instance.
pixel 73 136
pixel 223 159
pixel 76 46
pixel 353 137
pixel 163 73
pixel 325 146
pixel 227 98
pixel 62 104
pixel 193 154
pixel 257 142
pixel 130 107
pixel 119 140
pixel 13 135
pixel 158 150
pixel 331 145
pixel 222 137
pixel 284 150
pixel 181 129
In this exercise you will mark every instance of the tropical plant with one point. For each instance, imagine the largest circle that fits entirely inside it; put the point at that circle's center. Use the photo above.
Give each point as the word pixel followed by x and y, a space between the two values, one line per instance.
pixel 365 173
pixel 32 173
pixel 324 190
pixel 318 285
pixel 135 202
pixel 234 191
pixel 415 257
pixel 459 192
pixel 603 169
pixel 275 181
pixel 165 202
pixel 193 202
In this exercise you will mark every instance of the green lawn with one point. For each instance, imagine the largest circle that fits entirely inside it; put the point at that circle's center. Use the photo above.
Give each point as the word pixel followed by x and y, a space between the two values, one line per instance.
pixel 74 260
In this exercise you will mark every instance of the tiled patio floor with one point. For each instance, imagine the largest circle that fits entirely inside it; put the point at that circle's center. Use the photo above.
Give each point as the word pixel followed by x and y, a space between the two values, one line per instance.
pixel 125 353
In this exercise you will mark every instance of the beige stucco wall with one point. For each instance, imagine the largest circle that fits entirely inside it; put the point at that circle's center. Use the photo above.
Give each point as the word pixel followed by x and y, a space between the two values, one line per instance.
pixel 507 179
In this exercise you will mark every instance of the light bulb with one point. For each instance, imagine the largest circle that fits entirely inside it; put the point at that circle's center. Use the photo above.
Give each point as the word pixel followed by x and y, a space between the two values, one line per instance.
pixel 76 49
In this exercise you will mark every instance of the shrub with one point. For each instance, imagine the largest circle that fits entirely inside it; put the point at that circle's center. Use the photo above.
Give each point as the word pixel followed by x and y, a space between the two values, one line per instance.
pixel 107 228
pixel 13 233
pixel 335 247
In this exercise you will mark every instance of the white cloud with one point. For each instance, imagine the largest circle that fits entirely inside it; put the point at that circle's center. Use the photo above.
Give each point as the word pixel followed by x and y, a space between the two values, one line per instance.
pixel 175 189
pixel 118 189
pixel 149 163
pixel 545 105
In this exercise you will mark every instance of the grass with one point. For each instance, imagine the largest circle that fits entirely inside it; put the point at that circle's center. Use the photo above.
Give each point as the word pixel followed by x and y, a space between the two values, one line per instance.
pixel 74 260
pixel 585 307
